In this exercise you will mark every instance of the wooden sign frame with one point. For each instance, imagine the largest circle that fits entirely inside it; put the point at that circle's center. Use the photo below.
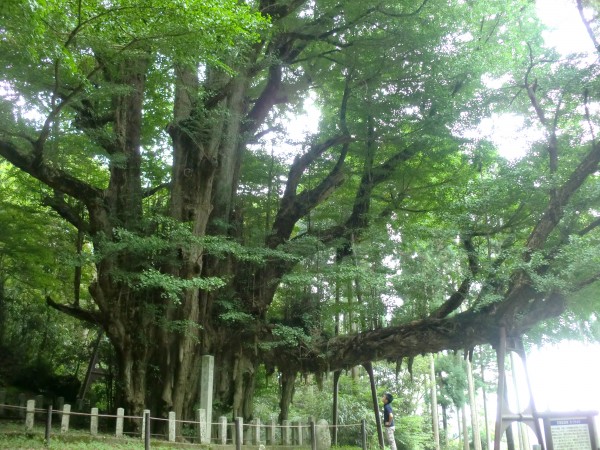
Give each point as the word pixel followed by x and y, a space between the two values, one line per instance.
pixel 570 430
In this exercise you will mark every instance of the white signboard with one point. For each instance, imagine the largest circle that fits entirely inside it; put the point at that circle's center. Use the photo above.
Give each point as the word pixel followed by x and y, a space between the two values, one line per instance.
pixel 570 434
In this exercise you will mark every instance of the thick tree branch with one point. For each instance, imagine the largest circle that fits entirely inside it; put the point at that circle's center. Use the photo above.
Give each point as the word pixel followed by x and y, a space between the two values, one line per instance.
pixel 555 209
pixel 151 191
pixel 53 177
pixel 589 228
pixel 76 312
pixel 458 297
pixel 430 335
pixel 377 175
pixel 294 206
pixel 268 98
pixel 402 15
pixel 588 26
pixel 66 211
pixel 531 88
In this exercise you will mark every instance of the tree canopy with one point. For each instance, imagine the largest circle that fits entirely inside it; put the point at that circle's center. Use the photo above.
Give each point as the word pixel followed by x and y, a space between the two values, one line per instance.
pixel 161 133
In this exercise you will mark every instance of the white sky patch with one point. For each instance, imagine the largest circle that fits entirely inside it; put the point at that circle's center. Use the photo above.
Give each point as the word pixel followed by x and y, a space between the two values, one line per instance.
pixel 509 133
pixel 564 377
pixel 306 123
pixel 567 34
pixel 297 128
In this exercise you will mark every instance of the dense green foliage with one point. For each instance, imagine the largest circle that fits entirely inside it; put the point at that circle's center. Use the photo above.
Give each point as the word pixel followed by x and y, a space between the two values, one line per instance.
pixel 153 186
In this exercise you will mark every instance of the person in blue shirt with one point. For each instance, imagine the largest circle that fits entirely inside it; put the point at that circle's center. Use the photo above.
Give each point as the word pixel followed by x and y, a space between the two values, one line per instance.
pixel 388 419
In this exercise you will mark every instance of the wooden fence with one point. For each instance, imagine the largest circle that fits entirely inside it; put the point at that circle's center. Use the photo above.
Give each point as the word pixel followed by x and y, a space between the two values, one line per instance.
pixel 298 434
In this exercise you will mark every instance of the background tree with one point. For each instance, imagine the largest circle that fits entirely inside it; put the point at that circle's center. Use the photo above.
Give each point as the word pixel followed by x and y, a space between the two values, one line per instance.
pixel 40 349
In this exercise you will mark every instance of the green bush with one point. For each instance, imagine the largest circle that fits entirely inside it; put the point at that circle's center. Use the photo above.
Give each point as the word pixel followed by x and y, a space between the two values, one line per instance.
pixel 411 433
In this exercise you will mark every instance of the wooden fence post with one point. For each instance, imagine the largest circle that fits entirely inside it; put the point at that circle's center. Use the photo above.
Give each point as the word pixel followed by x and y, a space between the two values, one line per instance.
pixel 256 432
pixel 48 424
pixel 299 432
pixel 146 428
pixel 201 426
pixel 60 402
pixel 39 405
pixel 271 432
pixel 29 417
pixel 64 421
pixel 286 436
pixel 119 427
pixel 223 430
pixel 94 422
pixel 239 433
pixel 172 426
pixel 144 423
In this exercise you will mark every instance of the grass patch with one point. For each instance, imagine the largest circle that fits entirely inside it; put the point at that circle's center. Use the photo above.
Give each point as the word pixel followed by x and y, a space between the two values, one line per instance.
pixel 13 436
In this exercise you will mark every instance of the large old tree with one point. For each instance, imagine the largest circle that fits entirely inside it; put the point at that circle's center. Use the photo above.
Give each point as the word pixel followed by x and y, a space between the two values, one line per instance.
pixel 165 132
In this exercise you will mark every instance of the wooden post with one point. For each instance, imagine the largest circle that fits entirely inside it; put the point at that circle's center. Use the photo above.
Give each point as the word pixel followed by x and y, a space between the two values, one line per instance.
pixel 299 441
pixel 369 368
pixel 172 426
pixel 39 405
pixel 201 425
pixel 146 411
pixel 64 421
pixel 256 432
pixel 119 426
pixel 94 422
pixel 223 430
pixel 29 417
pixel 363 433
pixel 146 427
pixel 239 433
pixel 286 436
pixel 48 424
pixel 270 432
pixel 504 419
pixel 60 402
